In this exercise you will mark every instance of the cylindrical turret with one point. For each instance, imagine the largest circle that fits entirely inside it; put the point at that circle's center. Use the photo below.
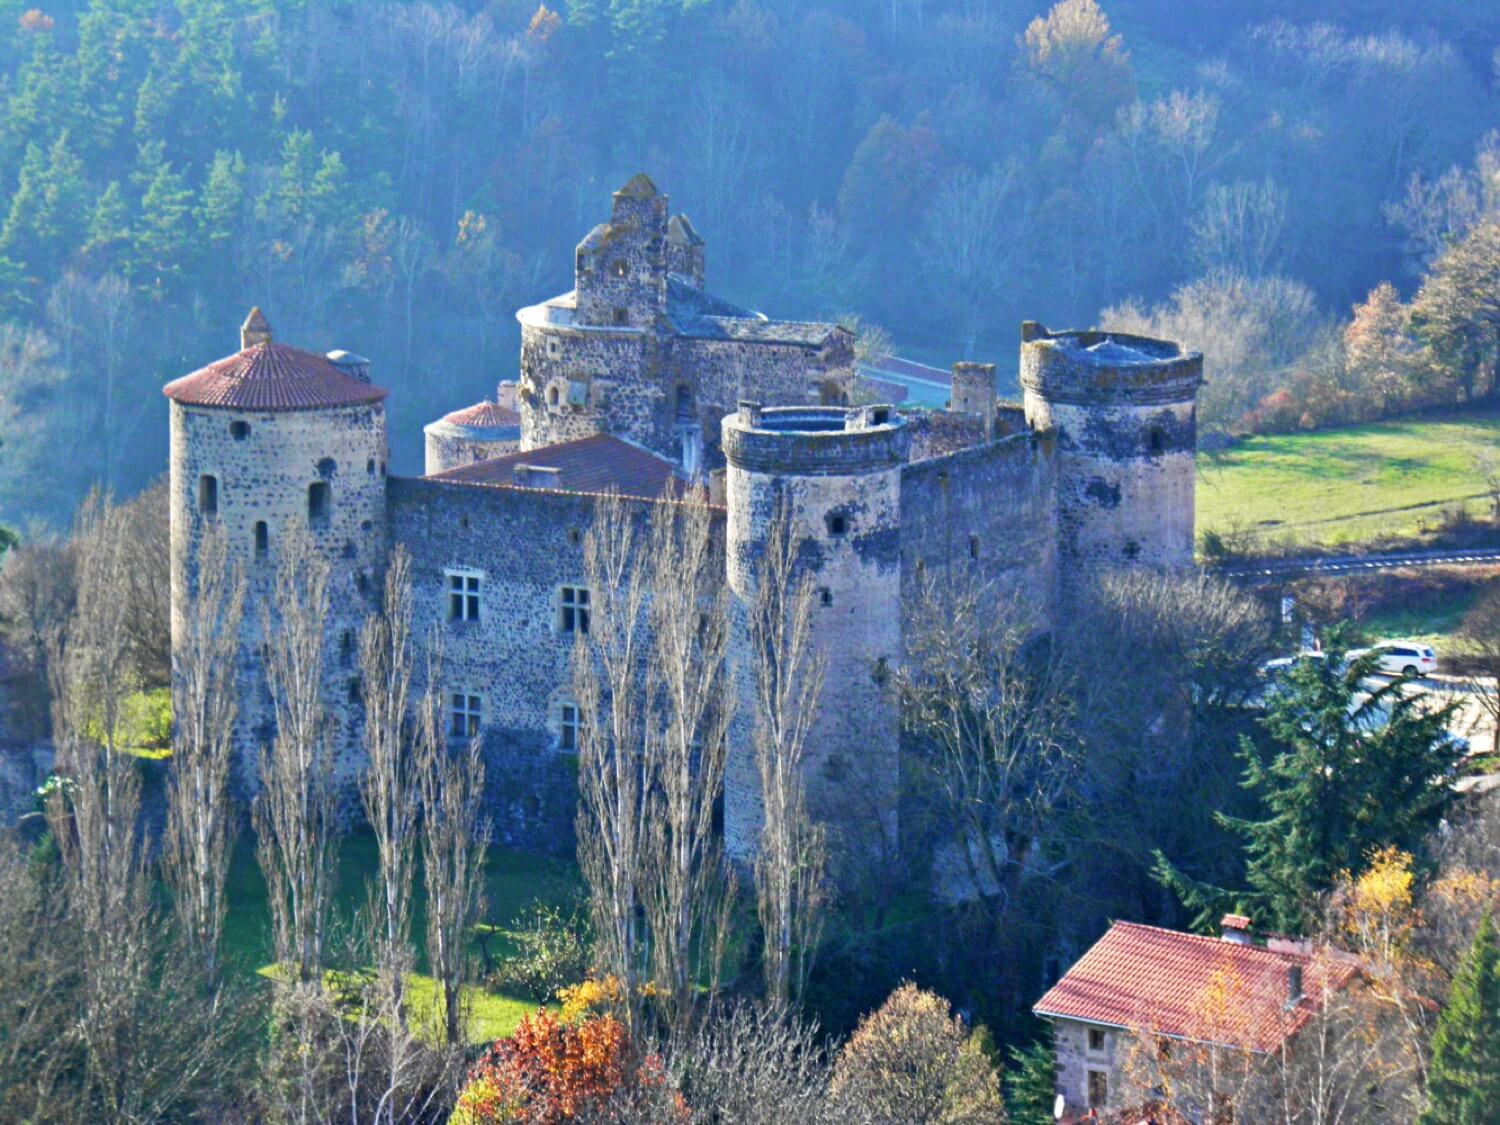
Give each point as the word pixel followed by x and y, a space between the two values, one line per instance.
pixel 264 442
pixel 836 474
pixel 1123 410
pixel 475 433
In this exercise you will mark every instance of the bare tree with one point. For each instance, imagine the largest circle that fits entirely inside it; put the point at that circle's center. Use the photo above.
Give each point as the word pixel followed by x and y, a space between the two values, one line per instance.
pixel 688 892
pixel 613 832
pixel 992 716
pixel 200 822
pixel 788 680
pixel 454 838
pixel 1238 226
pixel 389 784
pixel 295 813
pixel 1481 636
pixel 752 1065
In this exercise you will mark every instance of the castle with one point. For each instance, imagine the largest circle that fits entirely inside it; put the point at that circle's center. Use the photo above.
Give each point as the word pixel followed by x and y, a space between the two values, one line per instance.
pixel 641 383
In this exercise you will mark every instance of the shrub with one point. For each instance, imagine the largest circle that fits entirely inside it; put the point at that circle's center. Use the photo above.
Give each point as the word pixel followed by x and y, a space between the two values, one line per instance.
pixel 552 950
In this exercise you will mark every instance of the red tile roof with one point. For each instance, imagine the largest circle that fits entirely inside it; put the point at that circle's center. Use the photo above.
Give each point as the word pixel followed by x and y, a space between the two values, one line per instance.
pixel 484 415
pixel 593 464
pixel 271 376
pixel 1191 987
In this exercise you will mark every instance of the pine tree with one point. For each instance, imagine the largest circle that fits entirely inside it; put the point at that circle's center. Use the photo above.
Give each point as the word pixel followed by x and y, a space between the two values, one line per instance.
pixel 219 200
pixel 1344 773
pixel 1031 1084
pixel 1463 1082
pixel 109 228
pixel 163 232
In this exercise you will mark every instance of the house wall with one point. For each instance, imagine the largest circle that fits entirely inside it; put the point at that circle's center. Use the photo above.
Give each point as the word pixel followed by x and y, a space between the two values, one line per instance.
pixel 1070 1041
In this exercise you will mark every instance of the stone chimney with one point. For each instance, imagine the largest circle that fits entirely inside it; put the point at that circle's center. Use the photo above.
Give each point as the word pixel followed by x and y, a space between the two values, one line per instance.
pixel 974 392
pixel 1293 985
pixel 256 329
pixel 505 394
pixel 354 366
pixel 1235 928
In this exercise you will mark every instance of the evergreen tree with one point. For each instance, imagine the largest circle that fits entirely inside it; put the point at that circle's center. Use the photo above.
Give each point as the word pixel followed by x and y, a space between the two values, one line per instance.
pixel 164 231
pixel 1031 1084
pixel 1463 1083
pixel 1345 771
pixel 109 228
pixel 218 208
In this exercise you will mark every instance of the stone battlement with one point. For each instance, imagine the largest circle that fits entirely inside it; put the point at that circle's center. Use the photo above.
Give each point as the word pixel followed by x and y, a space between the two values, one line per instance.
pixel 814 440
pixel 1097 367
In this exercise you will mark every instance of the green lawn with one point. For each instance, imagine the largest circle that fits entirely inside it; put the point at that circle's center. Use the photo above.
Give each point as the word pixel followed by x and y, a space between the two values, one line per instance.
pixel 1334 487
pixel 513 880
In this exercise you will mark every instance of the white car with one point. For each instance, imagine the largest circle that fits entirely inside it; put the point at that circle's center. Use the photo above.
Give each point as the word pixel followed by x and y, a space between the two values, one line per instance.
pixel 1401 658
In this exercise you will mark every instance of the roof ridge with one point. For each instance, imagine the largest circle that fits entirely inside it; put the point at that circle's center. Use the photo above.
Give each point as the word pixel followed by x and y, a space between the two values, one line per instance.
pixel 1216 942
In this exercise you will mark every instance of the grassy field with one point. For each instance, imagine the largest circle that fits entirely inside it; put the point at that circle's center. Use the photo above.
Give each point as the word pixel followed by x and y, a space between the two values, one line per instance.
pixel 1336 487
pixel 513 881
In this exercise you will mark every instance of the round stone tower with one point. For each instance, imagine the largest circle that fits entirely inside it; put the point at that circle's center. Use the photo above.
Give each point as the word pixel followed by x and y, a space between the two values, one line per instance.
pixel 1123 411
pixel 267 442
pixel 836 474
pixel 475 433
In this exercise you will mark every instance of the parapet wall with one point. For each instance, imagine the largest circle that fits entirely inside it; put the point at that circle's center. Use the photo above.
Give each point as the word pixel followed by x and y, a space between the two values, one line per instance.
pixel 1095 367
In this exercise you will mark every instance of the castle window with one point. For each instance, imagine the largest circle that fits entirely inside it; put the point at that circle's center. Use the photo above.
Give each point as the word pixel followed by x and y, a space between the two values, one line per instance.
pixel 1156 441
pixel 327 466
pixel 346 648
pixel 838 524
pixel 262 539
pixel 318 503
pixel 208 494
pixel 239 430
pixel 465 711
pixel 554 347
pixel 568 723
pixel 1131 550
pixel 354 692
pixel 465 588
pixel 825 595
pixel 361 582
pixel 974 547
pixel 370 466
pixel 573 610
pixel 619 268
pixel 382 468
pixel 584 265
pixel 684 410
pixel 552 396
pixel 1096 1039
pixel 1098 1089
pixel 621 316
pixel 880 416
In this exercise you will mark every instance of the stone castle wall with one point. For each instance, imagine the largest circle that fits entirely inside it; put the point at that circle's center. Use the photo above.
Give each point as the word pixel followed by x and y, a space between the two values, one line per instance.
pixel 986 511
pixel 264 463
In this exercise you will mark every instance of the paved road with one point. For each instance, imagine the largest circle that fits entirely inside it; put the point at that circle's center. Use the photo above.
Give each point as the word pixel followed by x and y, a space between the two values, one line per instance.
pixel 1270 569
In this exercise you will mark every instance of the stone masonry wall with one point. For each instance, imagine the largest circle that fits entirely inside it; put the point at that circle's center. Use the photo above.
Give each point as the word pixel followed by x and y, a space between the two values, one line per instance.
pixel 987 510
pixel 263 475
pixel 1075 1059
pixel 449 447
pixel 852 769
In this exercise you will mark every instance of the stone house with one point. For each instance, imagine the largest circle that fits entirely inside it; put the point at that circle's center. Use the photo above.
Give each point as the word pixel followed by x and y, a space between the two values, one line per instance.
pixel 1141 981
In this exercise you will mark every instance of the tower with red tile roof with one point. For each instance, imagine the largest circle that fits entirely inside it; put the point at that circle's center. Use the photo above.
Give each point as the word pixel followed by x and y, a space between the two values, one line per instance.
pixel 269 442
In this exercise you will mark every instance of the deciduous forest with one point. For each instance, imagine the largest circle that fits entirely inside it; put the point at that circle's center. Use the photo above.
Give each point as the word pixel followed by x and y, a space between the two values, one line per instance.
pixel 396 178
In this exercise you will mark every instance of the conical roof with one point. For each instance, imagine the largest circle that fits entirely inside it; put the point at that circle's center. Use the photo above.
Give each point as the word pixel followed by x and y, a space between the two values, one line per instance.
pixel 265 375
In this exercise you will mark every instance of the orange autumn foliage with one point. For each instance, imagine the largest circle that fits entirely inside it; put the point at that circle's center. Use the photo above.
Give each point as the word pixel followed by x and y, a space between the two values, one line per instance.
pixel 551 1072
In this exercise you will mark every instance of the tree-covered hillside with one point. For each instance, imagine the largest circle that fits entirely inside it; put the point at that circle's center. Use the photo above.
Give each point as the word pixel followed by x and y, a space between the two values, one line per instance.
pixel 396 177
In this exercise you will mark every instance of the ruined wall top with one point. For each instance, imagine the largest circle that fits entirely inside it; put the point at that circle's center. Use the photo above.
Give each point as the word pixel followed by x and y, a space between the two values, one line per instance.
pixel 1097 367
pixel 815 440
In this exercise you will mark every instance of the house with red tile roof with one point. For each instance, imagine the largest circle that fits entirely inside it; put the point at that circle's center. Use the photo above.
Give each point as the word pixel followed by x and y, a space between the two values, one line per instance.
pixel 1141 980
